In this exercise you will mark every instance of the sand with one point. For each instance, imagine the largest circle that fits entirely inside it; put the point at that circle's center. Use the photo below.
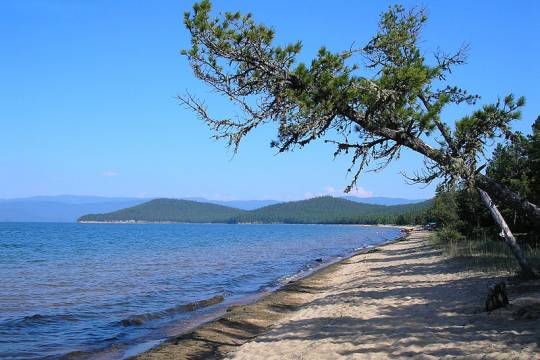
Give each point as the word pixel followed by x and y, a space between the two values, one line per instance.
pixel 404 300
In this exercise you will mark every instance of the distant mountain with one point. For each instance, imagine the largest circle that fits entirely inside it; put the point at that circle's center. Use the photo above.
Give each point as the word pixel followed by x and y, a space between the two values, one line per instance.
pixel 323 210
pixel 68 208
pixel 379 200
pixel 169 210
pixel 64 208
pixel 239 204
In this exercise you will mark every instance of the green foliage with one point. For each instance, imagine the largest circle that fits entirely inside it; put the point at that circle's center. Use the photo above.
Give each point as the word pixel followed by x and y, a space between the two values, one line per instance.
pixel 533 162
pixel 459 211
pixel 445 209
pixel 448 234
pixel 322 210
pixel 513 165
pixel 492 121
pixel 509 165
pixel 369 102
pixel 331 210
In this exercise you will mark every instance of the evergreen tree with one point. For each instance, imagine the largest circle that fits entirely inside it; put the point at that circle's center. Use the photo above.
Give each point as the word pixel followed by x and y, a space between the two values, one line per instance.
pixel 533 163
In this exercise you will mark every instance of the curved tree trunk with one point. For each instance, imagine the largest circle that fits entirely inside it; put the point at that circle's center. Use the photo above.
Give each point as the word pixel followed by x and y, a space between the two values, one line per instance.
pixel 509 198
pixel 526 270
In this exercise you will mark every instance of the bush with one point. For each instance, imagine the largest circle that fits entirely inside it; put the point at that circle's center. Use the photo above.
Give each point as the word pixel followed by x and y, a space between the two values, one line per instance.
pixel 448 234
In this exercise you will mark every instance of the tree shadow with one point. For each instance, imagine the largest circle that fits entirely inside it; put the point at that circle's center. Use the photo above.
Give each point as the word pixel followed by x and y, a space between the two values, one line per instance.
pixel 439 315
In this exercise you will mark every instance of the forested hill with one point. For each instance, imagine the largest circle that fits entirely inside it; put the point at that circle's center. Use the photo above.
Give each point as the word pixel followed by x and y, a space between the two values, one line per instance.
pixel 321 210
pixel 168 210
pixel 331 210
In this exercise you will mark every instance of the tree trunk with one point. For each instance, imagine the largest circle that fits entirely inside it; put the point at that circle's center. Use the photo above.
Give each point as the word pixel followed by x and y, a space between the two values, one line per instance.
pixel 509 198
pixel 526 270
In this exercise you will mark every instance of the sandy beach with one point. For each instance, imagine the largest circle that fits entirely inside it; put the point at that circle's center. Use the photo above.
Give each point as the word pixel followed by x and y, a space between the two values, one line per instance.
pixel 401 300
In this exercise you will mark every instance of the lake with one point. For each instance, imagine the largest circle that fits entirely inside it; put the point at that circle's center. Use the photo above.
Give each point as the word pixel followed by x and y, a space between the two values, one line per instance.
pixel 84 288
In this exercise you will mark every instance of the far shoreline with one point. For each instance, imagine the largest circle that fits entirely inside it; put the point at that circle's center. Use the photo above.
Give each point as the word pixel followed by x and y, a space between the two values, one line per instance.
pixel 140 222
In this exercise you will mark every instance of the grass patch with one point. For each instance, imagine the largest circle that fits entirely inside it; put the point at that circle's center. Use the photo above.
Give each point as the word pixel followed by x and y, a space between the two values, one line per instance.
pixel 487 254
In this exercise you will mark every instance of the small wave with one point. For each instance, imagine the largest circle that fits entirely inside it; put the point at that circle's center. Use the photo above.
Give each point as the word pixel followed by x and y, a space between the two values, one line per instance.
pixel 38 319
pixel 77 354
pixel 140 319
pixel 49 318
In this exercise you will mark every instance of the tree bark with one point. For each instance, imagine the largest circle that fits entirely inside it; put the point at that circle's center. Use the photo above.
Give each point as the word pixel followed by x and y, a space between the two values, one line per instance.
pixel 526 270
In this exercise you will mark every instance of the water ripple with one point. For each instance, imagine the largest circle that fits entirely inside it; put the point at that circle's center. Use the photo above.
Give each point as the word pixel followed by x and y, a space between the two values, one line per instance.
pixel 74 288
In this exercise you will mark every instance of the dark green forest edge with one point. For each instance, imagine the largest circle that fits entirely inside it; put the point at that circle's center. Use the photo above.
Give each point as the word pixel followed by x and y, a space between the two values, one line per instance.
pixel 467 230
pixel 321 210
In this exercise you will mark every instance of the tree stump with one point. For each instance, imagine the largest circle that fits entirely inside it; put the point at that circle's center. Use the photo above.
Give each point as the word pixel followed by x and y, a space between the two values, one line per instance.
pixel 496 297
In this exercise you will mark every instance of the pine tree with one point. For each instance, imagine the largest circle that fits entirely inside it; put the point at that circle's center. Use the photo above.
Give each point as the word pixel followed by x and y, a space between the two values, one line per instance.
pixel 371 112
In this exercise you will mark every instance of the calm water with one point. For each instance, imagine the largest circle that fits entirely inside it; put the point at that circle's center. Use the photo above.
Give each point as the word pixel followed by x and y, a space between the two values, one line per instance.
pixel 87 287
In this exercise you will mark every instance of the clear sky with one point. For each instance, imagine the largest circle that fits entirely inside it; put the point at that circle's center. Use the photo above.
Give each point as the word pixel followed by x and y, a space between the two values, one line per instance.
pixel 87 95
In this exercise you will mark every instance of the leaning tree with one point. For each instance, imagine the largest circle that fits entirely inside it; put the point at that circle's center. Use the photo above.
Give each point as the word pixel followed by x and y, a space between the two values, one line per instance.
pixel 392 98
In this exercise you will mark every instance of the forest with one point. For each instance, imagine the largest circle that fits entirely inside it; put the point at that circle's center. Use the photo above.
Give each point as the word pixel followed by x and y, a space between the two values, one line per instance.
pixel 515 164
pixel 319 210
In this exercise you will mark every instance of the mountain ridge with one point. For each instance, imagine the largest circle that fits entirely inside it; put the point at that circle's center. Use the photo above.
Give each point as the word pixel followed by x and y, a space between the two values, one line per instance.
pixel 320 210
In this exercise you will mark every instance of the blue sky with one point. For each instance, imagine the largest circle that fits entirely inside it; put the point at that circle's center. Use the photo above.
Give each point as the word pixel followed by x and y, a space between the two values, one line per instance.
pixel 88 95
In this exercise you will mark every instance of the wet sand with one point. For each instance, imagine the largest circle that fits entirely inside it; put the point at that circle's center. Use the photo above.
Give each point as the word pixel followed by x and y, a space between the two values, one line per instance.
pixel 402 300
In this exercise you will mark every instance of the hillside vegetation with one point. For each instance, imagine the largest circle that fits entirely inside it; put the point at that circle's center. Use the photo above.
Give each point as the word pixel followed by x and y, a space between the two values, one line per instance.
pixel 321 210
pixel 331 210
pixel 169 210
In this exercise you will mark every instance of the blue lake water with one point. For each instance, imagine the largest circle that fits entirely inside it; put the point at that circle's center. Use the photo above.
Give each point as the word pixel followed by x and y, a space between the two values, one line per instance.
pixel 68 288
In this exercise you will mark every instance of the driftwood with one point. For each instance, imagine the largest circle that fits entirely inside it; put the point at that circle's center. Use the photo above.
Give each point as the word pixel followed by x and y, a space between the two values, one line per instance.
pixel 496 297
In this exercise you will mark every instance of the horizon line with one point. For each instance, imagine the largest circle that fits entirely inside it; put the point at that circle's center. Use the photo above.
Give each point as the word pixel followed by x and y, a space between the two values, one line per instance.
pixel 312 196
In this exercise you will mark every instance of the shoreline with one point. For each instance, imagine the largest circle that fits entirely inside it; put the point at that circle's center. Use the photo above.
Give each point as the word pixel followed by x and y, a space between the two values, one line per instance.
pixel 173 330
pixel 136 222
pixel 254 302
pixel 398 299
pixel 173 268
